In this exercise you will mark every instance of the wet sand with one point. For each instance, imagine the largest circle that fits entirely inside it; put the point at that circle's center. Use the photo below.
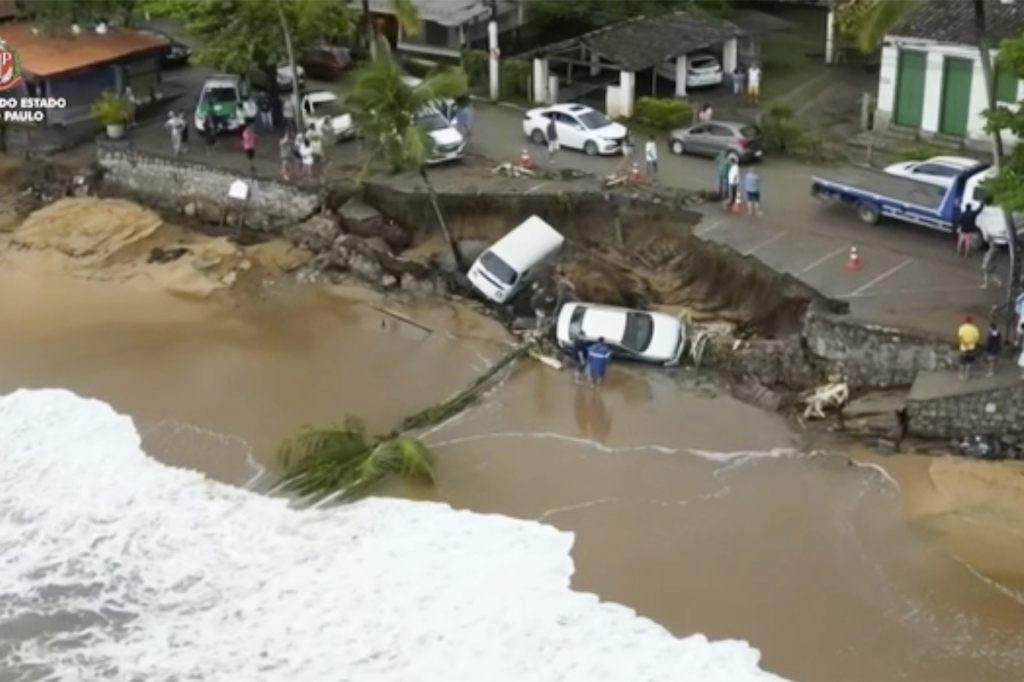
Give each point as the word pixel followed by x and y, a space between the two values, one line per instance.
pixel 811 559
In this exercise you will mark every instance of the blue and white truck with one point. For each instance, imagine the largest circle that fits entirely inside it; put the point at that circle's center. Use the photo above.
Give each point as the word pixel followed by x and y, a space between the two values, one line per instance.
pixel 876 194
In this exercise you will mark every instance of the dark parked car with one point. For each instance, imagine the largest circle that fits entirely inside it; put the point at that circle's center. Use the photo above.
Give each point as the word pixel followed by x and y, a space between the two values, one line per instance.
pixel 741 141
pixel 326 62
pixel 177 53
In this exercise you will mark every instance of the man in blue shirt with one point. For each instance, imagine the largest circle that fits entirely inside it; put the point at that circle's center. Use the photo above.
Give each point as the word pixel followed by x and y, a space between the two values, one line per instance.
pixel 752 188
pixel 598 356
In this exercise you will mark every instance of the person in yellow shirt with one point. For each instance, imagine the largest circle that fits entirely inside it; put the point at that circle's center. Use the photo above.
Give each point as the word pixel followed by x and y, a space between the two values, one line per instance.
pixel 967 338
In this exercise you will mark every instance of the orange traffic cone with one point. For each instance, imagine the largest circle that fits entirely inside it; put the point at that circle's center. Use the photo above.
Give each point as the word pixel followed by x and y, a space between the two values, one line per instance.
pixel 634 174
pixel 853 262
pixel 525 161
pixel 736 206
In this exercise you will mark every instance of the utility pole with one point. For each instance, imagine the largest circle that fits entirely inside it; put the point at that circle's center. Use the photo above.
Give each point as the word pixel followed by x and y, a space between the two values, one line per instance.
pixel 291 66
pixel 980 27
pixel 493 51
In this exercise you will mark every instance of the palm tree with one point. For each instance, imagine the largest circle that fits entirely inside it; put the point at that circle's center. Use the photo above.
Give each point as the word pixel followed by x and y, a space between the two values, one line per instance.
pixel 385 107
pixel 341 459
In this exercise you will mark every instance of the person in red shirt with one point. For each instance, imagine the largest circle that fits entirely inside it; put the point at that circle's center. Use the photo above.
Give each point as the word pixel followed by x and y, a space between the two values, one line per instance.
pixel 249 144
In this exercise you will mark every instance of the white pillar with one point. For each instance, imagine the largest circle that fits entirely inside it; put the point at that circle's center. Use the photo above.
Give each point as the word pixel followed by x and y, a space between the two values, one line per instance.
pixel 493 56
pixel 830 37
pixel 594 59
pixel 552 89
pixel 730 54
pixel 540 80
pixel 681 76
pixel 934 68
pixel 627 85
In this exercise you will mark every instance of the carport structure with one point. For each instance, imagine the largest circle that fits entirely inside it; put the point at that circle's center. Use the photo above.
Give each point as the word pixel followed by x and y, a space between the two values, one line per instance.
pixel 632 46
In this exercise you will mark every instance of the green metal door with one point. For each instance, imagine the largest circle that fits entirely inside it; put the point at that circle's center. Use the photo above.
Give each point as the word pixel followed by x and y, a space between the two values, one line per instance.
pixel 956 95
pixel 910 88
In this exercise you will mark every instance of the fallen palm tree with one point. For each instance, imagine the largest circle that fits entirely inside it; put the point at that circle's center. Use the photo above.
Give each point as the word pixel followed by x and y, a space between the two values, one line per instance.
pixel 342 460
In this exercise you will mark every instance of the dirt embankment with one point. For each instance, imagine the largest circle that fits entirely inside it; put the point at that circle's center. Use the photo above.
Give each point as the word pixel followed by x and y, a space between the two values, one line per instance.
pixel 669 267
pixel 118 239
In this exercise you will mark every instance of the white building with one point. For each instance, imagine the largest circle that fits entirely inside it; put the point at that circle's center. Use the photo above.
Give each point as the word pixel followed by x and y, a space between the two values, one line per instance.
pixel 446 26
pixel 931 79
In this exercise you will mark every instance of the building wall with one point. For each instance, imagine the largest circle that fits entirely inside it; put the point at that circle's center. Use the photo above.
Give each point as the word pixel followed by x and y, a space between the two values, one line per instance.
pixel 937 53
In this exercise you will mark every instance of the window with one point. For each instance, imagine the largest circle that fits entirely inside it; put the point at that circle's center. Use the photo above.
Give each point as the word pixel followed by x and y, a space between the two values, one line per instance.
pixel 576 322
pixel 719 131
pixel 499 268
pixel 639 330
pixel 936 169
pixel 750 132
pixel 594 120
pixel 699 130
pixel 436 34
pixel 1006 86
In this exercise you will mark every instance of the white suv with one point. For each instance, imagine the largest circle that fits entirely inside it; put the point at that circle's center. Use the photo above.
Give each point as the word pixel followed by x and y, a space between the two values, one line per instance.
pixel 578 127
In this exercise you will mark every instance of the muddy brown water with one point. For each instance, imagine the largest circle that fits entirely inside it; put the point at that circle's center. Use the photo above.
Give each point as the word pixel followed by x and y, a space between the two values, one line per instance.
pixel 696 510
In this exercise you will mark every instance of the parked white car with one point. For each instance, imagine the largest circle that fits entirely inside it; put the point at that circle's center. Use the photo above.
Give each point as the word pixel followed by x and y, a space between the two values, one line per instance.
pixel 578 127
pixel 634 334
pixel 938 170
pixel 449 144
pixel 702 70
pixel 322 110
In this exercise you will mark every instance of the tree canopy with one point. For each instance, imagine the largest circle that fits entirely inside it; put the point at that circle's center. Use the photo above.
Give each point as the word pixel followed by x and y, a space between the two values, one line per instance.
pixel 54 15
pixel 239 35
pixel 579 16
pixel 1007 187
pixel 867 21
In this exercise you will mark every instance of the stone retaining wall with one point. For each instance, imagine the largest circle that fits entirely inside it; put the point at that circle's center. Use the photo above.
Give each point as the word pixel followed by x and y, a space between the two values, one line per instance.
pixel 871 355
pixel 170 184
pixel 999 411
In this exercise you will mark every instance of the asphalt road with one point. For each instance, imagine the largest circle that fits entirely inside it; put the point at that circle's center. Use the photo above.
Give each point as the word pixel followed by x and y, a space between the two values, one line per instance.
pixel 909 275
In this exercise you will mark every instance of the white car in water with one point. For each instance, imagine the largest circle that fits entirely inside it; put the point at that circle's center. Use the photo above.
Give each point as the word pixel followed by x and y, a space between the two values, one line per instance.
pixel 634 334
pixel 938 170
pixel 578 127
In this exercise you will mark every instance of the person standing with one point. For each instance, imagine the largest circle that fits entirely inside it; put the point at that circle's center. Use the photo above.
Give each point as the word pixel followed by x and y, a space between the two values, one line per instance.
pixel 288 112
pixel 967 229
pixel 967 337
pixel 988 266
pixel 733 179
pixel 266 111
pixel 551 134
pixel 722 175
pixel 738 81
pixel 465 117
pixel 598 357
pixel 249 110
pixel 210 130
pixel 249 145
pixel 316 145
pixel 579 354
pixel 175 124
pixel 752 188
pixel 754 83
pixel 286 151
pixel 651 157
pixel 306 155
pixel 993 347
pixel 131 105
pixel 705 114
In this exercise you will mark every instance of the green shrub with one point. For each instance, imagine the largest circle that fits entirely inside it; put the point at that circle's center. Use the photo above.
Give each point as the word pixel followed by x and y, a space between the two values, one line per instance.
pixel 474 63
pixel 920 152
pixel 779 129
pixel 808 145
pixel 109 108
pixel 662 113
pixel 515 79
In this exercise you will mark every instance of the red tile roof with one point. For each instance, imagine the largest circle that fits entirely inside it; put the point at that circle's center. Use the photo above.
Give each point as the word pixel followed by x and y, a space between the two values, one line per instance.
pixel 48 55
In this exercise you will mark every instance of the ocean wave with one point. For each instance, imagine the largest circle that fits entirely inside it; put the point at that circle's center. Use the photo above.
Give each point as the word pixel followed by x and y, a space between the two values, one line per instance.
pixel 115 566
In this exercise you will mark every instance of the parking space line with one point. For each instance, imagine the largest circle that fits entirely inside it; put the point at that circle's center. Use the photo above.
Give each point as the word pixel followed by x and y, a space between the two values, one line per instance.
pixel 535 188
pixel 766 242
pixel 916 291
pixel 877 280
pixel 823 259
pixel 710 228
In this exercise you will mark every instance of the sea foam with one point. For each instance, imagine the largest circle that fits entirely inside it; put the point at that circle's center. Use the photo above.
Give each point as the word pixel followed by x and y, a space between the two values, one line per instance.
pixel 115 566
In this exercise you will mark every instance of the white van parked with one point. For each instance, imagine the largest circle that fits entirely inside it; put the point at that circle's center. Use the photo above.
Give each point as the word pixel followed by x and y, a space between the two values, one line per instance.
pixel 504 269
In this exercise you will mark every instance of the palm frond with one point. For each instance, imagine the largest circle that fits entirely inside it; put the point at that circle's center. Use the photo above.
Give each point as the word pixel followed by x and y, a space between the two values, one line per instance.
pixel 407 15
pixel 878 19
pixel 448 83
